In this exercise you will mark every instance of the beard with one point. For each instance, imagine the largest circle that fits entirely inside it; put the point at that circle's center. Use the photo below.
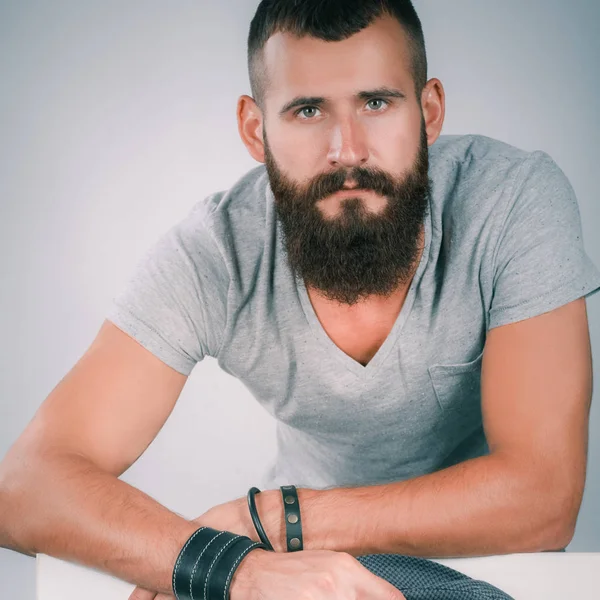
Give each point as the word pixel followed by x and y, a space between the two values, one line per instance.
pixel 357 253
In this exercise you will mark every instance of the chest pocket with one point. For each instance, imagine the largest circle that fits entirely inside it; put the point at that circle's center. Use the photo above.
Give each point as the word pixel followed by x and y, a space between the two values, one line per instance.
pixel 457 388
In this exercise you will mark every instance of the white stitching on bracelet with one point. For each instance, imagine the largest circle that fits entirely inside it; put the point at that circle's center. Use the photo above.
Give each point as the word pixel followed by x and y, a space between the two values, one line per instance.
pixel 198 560
pixel 179 559
pixel 215 560
pixel 244 552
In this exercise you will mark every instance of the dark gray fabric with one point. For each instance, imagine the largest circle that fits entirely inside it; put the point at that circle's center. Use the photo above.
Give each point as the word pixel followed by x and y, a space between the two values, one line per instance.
pixel 423 579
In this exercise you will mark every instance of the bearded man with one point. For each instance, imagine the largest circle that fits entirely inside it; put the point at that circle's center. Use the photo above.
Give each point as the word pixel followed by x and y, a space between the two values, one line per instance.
pixel 409 307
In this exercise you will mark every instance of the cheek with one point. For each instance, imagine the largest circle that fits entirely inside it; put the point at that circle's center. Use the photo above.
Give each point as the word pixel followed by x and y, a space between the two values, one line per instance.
pixel 393 142
pixel 296 153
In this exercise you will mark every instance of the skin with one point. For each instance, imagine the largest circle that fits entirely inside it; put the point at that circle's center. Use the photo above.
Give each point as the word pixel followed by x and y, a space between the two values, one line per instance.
pixel 344 131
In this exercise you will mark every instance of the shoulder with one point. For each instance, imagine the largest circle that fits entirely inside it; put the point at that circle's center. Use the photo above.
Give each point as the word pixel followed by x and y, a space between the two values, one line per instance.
pixel 486 162
pixel 229 223
pixel 474 159
pixel 244 199
pixel 475 179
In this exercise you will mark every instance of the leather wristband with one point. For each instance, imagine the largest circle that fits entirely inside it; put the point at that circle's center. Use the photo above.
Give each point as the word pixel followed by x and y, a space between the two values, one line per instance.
pixel 292 518
pixel 206 564
pixel 256 519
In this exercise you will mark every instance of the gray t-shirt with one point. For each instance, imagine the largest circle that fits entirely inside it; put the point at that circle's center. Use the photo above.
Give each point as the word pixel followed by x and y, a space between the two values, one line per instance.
pixel 503 243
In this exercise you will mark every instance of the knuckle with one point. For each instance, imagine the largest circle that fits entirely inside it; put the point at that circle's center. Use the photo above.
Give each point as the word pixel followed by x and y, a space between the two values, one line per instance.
pixel 326 582
pixel 347 560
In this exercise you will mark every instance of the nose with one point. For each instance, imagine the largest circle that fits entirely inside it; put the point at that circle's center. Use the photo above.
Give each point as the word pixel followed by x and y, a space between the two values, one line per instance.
pixel 348 146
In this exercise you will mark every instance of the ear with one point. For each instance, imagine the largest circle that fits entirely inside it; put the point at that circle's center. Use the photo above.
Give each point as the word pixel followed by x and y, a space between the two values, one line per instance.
pixel 250 127
pixel 433 103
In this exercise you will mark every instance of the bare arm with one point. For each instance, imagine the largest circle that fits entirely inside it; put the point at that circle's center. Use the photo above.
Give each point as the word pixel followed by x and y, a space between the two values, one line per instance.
pixel 59 489
pixel 70 509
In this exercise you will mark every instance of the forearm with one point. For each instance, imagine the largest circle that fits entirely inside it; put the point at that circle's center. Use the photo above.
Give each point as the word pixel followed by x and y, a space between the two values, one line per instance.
pixel 475 508
pixel 66 507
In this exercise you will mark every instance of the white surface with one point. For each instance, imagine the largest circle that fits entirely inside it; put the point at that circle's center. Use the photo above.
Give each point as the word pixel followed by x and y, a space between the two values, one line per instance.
pixel 533 576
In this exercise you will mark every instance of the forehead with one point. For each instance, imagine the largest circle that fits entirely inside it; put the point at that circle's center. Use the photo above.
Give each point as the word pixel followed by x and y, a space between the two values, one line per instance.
pixel 375 56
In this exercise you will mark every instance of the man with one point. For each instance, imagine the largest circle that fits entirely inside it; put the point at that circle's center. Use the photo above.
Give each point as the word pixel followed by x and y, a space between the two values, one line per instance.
pixel 408 306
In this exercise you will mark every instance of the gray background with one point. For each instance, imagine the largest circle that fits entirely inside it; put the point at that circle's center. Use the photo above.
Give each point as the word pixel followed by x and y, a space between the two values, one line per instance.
pixel 115 117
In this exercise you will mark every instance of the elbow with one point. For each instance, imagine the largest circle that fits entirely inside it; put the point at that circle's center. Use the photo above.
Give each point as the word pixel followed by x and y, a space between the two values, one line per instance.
pixel 557 526
pixel 556 536
pixel 566 512
pixel 12 499
pixel 545 505
pixel 6 520
pixel 565 521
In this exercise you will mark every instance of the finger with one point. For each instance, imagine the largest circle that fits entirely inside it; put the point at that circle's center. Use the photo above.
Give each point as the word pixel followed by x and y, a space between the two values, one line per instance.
pixel 370 585
pixel 384 590
pixel 389 591
pixel 142 594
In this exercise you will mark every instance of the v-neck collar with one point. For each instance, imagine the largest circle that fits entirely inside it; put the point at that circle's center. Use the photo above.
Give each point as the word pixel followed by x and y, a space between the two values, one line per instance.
pixel 390 341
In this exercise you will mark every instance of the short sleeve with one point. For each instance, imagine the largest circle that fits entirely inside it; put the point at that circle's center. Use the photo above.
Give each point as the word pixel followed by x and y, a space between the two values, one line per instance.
pixel 540 262
pixel 174 303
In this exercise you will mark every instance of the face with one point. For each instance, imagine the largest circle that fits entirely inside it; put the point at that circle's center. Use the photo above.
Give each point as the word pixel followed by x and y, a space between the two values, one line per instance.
pixel 344 116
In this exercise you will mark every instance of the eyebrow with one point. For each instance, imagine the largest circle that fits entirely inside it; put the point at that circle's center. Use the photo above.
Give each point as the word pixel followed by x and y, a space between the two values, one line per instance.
pixel 382 92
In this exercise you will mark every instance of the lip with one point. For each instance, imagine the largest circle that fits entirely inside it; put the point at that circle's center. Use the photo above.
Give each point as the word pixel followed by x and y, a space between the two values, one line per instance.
pixel 350 193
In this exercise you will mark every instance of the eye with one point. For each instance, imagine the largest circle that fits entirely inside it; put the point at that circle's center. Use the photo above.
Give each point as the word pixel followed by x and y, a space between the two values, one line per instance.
pixel 377 100
pixel 305 108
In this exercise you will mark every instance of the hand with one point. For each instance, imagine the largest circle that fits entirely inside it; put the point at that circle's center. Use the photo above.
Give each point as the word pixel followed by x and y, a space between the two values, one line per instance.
pixel 317 574
pixel 234 516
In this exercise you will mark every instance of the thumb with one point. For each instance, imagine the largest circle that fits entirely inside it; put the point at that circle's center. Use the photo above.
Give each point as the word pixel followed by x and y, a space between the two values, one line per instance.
pixel 142 594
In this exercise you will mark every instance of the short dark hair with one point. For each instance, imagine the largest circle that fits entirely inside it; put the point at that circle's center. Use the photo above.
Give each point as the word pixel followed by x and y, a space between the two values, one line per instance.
pixel 332 21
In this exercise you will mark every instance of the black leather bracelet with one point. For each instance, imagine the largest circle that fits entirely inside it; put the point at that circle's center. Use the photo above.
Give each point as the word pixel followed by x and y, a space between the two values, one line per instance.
pixel 207 562
pixel 255 518
pixel 293 521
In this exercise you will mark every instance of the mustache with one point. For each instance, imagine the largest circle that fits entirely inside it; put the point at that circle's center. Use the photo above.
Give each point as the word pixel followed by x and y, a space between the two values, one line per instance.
pixel 326 184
